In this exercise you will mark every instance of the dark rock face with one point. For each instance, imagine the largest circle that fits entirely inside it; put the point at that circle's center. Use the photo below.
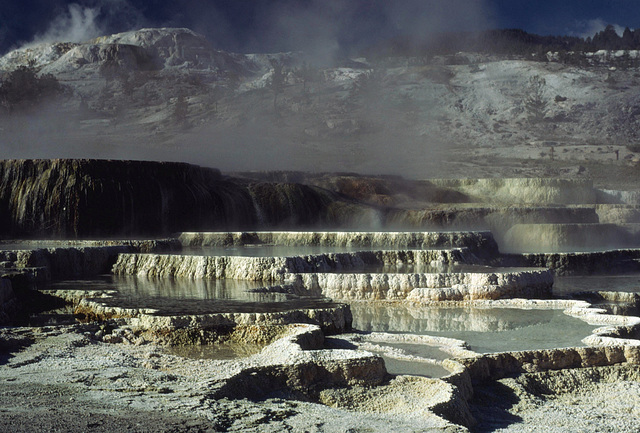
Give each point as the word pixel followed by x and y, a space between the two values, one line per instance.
pixel 80 198
pixel 288 204
pixel 101 198
pixel 383 190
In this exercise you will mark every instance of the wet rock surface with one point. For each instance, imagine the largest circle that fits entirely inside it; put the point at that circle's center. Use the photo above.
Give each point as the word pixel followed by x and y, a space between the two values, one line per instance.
pixel 71 198
pixel 67 198
pixel 105 198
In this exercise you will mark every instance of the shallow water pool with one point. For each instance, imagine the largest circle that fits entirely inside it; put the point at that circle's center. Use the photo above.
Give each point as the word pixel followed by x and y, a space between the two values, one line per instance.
pixel 185 296
pixel 221 351
pixel 597 283
pixel 486 330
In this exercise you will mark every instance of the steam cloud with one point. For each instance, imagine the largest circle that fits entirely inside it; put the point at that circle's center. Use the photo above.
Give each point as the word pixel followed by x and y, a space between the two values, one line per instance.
pixel 79 23
pixel 322 29
pixel 589 28
pixel 318 27
pixel 76 25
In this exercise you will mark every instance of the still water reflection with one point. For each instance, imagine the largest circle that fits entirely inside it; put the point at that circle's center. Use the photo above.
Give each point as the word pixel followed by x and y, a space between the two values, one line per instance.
pixel 185 296
pixel 486 330
pixel 596 283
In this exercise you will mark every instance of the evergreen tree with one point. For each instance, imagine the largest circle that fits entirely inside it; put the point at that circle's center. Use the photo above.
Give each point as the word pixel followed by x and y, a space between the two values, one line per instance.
pixel 307 74
pixel 181 110
pixel 627 39
pixel 23 88
pixel 607 39
pixel 535 102
pixel 277 80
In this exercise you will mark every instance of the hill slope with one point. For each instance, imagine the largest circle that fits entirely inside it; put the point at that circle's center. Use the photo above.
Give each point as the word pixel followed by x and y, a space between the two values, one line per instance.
pixel 167 94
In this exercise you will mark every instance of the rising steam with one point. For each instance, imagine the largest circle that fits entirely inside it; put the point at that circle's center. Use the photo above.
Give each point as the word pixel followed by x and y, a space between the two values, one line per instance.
pixel 77 24
pixel 255 137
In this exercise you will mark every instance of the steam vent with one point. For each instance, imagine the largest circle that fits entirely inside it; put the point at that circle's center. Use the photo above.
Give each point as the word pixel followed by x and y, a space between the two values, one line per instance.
pixel 281 300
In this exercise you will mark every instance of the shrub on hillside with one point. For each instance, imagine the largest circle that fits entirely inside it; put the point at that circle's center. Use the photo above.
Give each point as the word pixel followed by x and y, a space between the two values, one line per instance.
pixel 535 101
pixel 22 88
pixel 634 148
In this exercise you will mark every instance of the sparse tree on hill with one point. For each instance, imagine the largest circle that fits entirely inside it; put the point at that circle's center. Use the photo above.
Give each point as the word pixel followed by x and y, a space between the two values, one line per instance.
pixel 307 74
pixel 22 88
pixel 181 110
pixel 535 101
pixel 368 86
pixel 276 84
pixel 607 39
pixel 110 70
pixel 627 39
pixel 611 79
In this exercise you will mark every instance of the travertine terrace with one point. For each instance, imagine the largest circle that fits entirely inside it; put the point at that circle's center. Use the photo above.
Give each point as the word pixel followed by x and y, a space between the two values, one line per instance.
pixel 441 241
pixel 415 327
pixel 311 353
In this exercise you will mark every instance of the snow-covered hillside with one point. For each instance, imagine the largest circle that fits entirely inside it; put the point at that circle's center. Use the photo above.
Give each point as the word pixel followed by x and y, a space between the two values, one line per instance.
pixel 169 94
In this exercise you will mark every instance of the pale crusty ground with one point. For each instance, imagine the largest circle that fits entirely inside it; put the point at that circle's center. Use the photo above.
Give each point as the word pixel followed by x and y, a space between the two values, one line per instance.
pixel 68 381
pixel 599 399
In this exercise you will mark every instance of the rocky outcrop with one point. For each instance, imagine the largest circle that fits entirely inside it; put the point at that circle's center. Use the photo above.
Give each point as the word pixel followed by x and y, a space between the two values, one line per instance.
pixel 294 205
pixel 526 288
pixel 495 204
pixel 99 198
pixel 137 245
pixel 585 263
pixel 144 49
pixel 95 198
pixel 419 396
pixel 83 198
pixel 34 262
pixel 171 47
pixel 576 399
pixel 64 263
pixel 294 363
pixel 499 365
pixel 316 275
pixel 618 214
pixel 496 218
pixel 125 56
pixel 624 197
pixel 210 328
pixel 388 191
pixel 304 378
pixel 168 266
